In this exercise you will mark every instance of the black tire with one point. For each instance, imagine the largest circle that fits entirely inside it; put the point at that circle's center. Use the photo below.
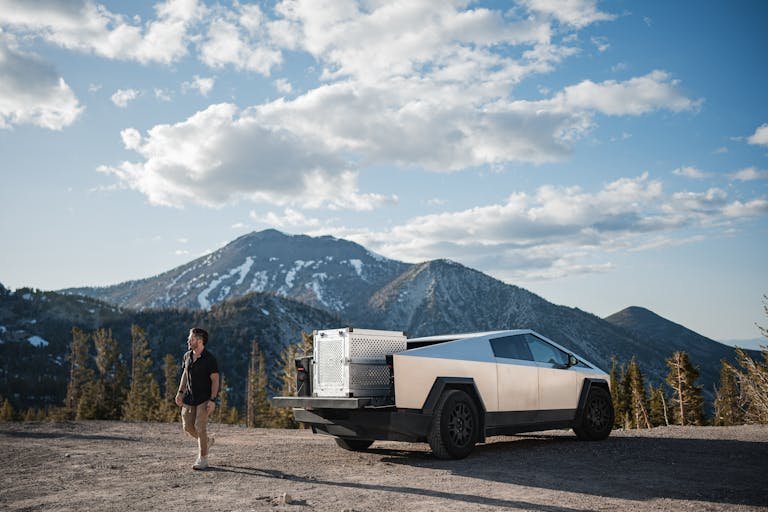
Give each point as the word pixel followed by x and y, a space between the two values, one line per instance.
pixel 354 445
pixel 455 425
pixel 597 418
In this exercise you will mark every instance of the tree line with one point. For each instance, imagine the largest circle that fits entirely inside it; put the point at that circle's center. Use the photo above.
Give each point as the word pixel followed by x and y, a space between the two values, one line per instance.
pixel 102 385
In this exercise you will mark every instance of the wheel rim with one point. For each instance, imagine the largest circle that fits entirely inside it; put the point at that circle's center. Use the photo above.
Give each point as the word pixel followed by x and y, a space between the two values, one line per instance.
pixel 460 424
pixel 598 413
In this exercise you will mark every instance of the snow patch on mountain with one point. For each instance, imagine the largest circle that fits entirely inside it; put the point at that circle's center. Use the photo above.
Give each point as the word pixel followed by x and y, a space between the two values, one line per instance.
pixel 242 270
pixel 37 341
pixel 259 281
pixel 358 266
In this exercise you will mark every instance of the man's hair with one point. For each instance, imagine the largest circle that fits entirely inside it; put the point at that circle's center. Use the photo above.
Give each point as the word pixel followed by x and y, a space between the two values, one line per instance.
pixel 200 333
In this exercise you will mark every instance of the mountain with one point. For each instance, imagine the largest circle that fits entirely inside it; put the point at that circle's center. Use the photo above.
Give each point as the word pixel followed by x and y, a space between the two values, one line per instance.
pixel 324 272
pixel 443 296
pixel 655 330
pixel 360 288
pixel 36 332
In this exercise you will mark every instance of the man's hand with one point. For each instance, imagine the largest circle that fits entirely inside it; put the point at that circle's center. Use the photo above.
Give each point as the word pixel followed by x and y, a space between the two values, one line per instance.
pixel 211 406
pixel 179 402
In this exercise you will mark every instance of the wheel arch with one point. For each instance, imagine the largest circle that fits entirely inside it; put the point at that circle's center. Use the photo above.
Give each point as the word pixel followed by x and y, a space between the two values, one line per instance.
pixel 585 389
pixel 466 384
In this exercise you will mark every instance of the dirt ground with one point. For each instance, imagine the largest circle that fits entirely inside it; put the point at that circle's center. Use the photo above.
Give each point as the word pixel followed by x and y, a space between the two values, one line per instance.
pixel 147 466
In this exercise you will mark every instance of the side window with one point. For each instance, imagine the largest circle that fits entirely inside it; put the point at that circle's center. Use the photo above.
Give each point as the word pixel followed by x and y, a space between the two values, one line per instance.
pixel 543 352
pixel 512 347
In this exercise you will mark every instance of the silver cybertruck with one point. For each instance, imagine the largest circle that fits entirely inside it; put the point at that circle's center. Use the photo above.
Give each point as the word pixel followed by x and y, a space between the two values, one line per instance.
pixel 451 391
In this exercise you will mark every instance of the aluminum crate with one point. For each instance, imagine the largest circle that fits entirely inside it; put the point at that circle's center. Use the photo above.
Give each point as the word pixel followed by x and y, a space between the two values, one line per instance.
pixel 352 362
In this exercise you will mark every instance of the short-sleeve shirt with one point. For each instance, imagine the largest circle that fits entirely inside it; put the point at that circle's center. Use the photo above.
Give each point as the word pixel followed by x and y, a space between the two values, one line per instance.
pixel 199 377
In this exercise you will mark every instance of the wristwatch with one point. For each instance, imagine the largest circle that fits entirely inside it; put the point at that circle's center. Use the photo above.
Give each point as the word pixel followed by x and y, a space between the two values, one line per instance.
pixel 214 399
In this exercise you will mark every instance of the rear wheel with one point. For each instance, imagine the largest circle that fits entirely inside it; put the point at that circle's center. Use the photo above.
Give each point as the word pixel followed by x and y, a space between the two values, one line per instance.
pixel 455 425
pixel 354 445
pixel 597 418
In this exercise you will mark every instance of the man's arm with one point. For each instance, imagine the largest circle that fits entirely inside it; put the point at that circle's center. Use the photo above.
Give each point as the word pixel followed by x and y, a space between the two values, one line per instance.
pixel 182 387
pixel 214 390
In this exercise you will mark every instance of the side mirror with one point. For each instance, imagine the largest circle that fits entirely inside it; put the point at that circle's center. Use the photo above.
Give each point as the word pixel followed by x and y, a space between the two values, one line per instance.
pixel 572 361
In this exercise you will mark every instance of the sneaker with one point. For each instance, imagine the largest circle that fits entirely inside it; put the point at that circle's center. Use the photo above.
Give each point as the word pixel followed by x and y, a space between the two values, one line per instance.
pixel 200 463
pixel 211 440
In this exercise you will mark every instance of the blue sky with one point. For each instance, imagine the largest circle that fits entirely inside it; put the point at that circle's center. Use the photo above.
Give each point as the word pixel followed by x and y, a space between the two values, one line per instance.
pixel 601 154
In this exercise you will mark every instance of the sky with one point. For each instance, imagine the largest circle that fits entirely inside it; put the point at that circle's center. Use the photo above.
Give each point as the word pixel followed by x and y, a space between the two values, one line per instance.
pixel 600 154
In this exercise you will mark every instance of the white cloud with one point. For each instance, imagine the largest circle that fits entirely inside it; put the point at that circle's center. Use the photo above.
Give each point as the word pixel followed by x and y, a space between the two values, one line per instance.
pixel 221 155
pixel 200 84
pixel 31 92
pixel 691 172
pixel 237 37
pixel 556 230
pixel 760 137
pixel 86 26
pixel 163 94
pixel 577 13
pixel 122 97
pixel 749 174
pixel 419 84
pixel 289 218
pixel 635 96
pixel 601 43
pixel 283 86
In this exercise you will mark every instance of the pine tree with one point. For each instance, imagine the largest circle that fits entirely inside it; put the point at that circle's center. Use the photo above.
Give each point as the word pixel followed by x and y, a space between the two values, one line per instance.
pixel 637 396
pixel 625 398
pixel 80 373
pixel 728 409
pixel 225 413
pixel 284 415
pixel 143 399
pixel 687 400
pixel 169 411
pixel 34 414
pixel 113 375
pixel 6 411
pixel 90 405
pixel 617 393
pixel 258 410
pixel 659 412
pixel 753 383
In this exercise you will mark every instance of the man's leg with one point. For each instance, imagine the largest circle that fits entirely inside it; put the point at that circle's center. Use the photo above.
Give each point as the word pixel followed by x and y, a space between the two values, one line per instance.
pixel 201 426
pixel 188 414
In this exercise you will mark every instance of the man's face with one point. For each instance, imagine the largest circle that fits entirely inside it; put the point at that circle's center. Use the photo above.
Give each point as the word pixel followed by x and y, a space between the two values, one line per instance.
pixel 193 342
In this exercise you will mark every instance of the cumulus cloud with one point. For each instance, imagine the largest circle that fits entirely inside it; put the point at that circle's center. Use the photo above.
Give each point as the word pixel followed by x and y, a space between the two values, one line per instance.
pixel 555 230
pixel 84 25
pixel 283 86
pixel 221 155
pixel 122 97
pixel 200 84
pixel 289 218
pixel 420 84
pixel 636 96
pixel 32 92
pixel 760 137
pixel 576 13
pixel 237 38
pixel 691 172
pixel 749 174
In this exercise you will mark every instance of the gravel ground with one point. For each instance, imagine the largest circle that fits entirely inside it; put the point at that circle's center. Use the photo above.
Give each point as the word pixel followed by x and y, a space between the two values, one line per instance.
pixel 146 466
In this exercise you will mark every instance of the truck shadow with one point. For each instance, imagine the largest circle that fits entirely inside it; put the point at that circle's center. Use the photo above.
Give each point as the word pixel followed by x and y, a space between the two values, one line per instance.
pixel 632 468
pixel 466 498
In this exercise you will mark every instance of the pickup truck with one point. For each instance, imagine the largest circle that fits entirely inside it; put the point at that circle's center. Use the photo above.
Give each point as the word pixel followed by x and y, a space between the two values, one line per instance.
pixel 452 391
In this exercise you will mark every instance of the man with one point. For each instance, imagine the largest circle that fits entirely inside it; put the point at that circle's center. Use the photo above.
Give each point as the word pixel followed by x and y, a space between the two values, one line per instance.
pixel 198 392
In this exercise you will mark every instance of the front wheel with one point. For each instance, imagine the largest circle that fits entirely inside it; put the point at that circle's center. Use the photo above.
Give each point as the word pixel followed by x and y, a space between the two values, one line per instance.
pixel 354 445
pixel 597 418
pixel 455 426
